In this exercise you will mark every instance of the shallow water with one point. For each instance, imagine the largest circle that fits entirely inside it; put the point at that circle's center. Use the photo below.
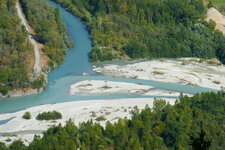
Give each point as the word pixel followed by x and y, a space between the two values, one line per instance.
pixel 5 121
pixel 71 70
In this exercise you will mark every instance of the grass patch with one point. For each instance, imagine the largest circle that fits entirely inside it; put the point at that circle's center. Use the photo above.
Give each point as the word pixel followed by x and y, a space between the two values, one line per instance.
pixel 158 73
pixel 162 59
pixel 183 63
pixel 107 113
pixel 213 62
pixel 8 140
pixel 217 1
pixel 216 82
pixel 85 85
pixel 116 110
pixel 100 118
pixel 106 87
pixel 93 114
pixel 9 135
pixel 140 70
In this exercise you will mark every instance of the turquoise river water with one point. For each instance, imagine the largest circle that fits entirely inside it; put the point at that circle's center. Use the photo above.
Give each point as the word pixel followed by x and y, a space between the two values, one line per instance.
pixel 75 64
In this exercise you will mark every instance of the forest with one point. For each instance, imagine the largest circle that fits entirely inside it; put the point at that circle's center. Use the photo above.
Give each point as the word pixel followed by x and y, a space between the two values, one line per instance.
pixel 16 52
pixel 148 29
pixel 50 30
pixel 193 123
pixel 15 49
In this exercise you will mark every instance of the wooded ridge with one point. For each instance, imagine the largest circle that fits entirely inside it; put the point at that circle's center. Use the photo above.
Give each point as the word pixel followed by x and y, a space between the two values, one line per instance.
pixel 148 29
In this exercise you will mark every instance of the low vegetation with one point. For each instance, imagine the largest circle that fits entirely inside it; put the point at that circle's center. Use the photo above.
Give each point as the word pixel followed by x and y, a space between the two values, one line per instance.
pixel 8 140
pixel 26 115
pixel 106 87
pixel 218 4
pixel 158 73
pixel 193 123
pixel 100 118
pixel 40 82
pixel 93 114
pixel 216 82
pixel 54 115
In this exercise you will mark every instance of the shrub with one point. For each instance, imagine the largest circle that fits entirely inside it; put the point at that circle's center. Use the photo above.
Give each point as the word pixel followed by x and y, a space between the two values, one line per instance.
pixel 93 114
pixel 39 82
pixel 158 73
pixel 106 87
pixel 100 118
pixel 216 82
pixel 54 115
pixel 4 90
pixel 26 115
pixel 8 140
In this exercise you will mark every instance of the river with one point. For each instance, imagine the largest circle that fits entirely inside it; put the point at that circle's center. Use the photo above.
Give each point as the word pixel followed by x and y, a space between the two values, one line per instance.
pixel 72 69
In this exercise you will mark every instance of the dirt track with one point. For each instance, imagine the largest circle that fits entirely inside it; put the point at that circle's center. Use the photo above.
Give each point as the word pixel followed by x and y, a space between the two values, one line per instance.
pixel 37 67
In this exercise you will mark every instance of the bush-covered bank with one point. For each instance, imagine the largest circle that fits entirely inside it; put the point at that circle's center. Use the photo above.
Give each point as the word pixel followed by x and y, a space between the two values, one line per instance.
pixel 148 29
pixel 192 123
pixel 49 28
pixel 15 50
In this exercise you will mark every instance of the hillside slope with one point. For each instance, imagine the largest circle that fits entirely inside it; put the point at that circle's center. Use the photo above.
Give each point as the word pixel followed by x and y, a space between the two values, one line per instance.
pixel 219 19
pixel 18 49
pixel 37 66
pixel 15 50
pixel 148 29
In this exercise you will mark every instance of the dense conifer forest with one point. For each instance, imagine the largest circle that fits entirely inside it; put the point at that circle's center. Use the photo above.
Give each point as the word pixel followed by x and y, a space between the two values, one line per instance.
pixel 194 123
pixel 148 28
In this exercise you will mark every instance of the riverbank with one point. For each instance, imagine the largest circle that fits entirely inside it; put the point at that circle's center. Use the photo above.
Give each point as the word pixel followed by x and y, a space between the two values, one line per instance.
pixel 187 71
pixel 38 60
pixel 38 65
pixel 21 92
pixel 80 111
